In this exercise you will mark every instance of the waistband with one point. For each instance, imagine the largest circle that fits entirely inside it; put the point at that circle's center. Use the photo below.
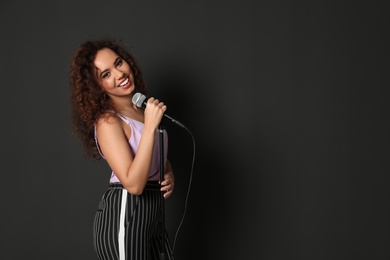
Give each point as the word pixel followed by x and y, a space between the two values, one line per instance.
pixel 150 185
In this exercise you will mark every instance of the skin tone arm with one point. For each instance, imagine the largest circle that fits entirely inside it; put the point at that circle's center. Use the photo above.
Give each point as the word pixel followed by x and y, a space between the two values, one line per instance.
pixel 133 172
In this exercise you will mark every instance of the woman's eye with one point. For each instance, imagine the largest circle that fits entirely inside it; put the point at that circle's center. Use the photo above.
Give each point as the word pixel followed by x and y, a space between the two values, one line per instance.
pixel 105 75
pixel 119 63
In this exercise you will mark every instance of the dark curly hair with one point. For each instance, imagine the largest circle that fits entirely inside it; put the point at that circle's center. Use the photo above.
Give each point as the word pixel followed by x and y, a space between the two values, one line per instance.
pixel 88 99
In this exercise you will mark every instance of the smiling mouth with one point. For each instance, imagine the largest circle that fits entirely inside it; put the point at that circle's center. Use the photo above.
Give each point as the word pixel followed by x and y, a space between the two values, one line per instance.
pixel 124 82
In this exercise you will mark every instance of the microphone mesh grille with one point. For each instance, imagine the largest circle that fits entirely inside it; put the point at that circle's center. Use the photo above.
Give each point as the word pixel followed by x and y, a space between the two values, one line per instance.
pixel 138 99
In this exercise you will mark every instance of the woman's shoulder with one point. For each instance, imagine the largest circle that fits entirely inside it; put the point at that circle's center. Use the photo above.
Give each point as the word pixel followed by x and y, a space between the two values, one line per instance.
pixel 111 124
pixel 108 119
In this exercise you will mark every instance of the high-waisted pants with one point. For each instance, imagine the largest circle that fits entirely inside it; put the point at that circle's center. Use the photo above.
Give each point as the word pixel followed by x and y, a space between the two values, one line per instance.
pixel 127 227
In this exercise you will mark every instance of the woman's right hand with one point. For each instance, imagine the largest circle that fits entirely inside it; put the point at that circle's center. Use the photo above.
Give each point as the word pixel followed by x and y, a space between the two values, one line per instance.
pixel 154 112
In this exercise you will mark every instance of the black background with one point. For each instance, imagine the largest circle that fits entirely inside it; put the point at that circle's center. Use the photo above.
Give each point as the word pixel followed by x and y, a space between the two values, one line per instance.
pixel 287 102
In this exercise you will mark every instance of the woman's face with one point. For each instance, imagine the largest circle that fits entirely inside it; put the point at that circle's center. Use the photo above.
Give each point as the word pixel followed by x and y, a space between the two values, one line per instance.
pixel 113 73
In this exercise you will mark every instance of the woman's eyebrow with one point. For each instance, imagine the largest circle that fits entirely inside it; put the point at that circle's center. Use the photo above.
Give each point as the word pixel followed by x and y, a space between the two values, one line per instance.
pixel 101 73
pixel 117 60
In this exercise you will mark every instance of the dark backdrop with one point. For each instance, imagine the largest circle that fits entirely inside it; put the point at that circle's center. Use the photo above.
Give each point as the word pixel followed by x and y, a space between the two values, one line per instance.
pixel 287 102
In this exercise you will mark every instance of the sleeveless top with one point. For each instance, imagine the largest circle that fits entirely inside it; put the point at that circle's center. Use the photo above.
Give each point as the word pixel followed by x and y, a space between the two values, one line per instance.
pixel 136 132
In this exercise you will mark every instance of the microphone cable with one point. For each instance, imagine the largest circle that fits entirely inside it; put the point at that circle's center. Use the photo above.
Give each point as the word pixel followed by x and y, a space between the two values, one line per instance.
pixel 189 186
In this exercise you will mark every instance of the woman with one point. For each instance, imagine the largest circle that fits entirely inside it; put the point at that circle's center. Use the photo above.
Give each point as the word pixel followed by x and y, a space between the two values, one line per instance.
pixel 104 77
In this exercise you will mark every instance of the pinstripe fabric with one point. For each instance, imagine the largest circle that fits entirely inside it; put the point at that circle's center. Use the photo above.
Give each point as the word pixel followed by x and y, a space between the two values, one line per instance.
pixel 142 230
pixel 122 227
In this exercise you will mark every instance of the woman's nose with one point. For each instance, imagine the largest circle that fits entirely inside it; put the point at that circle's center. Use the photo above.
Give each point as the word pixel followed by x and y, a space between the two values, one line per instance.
pixel 119 74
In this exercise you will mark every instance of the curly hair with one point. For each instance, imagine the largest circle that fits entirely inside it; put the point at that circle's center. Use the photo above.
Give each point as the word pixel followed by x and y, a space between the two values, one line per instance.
pixel 88 99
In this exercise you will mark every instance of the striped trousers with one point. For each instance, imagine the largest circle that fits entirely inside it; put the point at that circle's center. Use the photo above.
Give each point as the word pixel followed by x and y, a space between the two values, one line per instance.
pixel 127 227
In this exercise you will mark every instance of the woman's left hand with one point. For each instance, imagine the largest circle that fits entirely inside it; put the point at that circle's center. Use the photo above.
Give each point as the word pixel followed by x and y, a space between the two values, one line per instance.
pixel 168 184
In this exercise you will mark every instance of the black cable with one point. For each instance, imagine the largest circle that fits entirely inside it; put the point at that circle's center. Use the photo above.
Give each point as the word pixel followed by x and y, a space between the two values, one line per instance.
pixel 189 186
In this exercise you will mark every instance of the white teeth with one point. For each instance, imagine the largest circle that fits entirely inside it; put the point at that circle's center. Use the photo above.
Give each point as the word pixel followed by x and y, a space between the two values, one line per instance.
pixel 124 82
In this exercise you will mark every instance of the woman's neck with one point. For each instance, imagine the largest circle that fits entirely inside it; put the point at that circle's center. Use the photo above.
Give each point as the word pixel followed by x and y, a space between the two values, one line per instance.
pixel 130 110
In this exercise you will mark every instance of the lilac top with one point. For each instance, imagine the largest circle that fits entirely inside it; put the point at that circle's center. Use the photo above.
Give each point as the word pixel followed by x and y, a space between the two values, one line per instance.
pixel 136 132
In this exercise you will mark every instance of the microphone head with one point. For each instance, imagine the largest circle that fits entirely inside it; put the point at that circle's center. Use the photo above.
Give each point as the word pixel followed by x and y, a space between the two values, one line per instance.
pixel 138 99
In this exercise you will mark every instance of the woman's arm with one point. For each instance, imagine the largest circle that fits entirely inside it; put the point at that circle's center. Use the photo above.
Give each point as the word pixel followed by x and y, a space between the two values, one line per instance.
pixel 133 172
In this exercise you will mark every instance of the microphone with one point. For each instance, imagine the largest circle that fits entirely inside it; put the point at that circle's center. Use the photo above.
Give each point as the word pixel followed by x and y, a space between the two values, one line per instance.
pixel 140 101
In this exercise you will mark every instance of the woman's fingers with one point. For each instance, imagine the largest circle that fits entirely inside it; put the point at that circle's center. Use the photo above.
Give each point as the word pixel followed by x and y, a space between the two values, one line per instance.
pixel 167 187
